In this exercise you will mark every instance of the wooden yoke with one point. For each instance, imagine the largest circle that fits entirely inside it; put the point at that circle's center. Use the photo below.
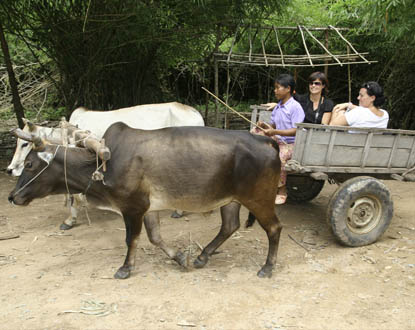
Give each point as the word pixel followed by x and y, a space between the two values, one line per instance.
pixel 85 139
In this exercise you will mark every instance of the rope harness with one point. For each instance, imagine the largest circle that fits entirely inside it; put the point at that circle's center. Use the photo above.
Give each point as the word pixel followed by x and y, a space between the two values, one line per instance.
pixel 96 176
pixel 71 139
pixel 37 175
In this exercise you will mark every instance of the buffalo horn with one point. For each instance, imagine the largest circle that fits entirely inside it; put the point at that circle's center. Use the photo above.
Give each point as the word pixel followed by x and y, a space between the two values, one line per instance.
pixel 37 141
pixel 29 124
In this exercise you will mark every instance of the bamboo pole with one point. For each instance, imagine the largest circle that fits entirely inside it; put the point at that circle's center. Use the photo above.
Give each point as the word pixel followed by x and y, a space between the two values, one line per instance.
pixel 279 46
pixel 242 116
pixel 348 43
pixel 233 43
pixel 228 80
pixel 295 28
pixel 349 78
pixel 326 68
pixel 325 49
pixel 305 45
pixel 313 56
pixel 263 51
pixel 216 91
pixel 250 45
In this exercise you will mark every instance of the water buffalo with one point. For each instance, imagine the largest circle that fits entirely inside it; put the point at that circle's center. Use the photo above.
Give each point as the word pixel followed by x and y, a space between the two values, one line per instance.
pixel 195 169
pixel 148 116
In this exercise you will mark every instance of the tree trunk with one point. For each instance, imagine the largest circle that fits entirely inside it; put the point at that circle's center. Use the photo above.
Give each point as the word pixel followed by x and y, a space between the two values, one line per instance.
pixel 18 108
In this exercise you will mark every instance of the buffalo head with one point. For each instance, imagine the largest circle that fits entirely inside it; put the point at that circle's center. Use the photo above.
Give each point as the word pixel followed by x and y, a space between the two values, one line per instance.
pixel 23 147
pixel 32 183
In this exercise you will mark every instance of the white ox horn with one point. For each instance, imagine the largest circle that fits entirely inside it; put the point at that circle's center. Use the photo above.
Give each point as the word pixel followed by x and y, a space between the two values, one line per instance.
pixel 38 143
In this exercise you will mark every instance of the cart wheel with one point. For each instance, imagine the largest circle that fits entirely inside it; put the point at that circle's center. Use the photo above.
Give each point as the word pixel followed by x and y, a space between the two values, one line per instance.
pixel 360 211
pixel 303 188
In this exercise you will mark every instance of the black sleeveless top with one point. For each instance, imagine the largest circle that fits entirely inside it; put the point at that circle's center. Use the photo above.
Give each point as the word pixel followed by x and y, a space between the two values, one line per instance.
pixel 311 116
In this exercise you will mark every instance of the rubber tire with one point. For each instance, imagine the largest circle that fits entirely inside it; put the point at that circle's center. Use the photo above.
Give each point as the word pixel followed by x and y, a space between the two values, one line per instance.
pixel 303 188
pixel 344 198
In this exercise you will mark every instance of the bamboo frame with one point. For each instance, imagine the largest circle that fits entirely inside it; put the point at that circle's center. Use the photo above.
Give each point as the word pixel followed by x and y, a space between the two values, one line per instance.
pixel 286 59
pixel 283 60
pixel 292 65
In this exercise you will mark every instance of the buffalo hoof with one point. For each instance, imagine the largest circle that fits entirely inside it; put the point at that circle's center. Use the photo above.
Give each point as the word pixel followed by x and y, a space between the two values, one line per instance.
pixel 176 215
pixel 181 259
pixel 64 226
pixel 265 272
pixel 200 262
pixel 122 273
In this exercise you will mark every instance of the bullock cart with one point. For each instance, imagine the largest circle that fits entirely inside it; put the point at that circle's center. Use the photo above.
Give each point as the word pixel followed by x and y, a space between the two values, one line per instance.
pixel 361 208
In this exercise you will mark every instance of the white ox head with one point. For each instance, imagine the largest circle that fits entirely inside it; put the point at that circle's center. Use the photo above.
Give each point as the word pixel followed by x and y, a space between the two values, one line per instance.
pixel 23 147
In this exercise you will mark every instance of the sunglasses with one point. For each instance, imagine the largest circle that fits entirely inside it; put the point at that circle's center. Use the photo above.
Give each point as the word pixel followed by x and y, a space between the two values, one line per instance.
pixel 367 86
pixel 315 83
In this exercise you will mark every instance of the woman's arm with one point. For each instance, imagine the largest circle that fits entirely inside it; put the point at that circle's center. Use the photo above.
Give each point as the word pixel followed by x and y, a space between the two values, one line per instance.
pixel 326 118
pixel 327 107
pixel 344 106
pixel 338 118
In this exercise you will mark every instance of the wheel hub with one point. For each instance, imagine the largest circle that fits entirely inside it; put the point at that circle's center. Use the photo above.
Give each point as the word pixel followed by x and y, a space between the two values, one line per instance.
pixel 363 215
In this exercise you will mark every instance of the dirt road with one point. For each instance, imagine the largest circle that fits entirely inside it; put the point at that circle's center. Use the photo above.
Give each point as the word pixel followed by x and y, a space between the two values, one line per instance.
pixel 64 280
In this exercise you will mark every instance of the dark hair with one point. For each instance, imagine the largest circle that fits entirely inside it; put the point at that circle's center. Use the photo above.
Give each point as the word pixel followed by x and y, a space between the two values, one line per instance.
pixel 322 77
pixel 374 89
pixel 286 80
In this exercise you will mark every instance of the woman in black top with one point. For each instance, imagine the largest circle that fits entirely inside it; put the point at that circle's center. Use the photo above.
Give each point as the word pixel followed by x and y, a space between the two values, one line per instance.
pixel 317 107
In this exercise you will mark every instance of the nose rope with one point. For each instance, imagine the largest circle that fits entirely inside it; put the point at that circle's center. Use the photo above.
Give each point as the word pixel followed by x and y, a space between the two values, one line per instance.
pixel 94 177
pixel 37 175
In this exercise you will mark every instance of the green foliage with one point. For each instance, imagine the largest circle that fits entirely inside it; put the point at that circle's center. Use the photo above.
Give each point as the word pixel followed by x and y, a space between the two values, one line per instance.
pixel 392 23
pixel 107 54
pixel 114 53
pixel 37 115
pixel 384 28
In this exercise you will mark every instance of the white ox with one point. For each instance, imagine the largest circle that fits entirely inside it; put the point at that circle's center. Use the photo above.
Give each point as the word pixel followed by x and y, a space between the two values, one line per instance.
pixel 147 116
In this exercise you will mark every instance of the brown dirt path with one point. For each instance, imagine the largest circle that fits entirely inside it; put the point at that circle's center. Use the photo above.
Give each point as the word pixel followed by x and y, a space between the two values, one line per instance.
pixel 48 278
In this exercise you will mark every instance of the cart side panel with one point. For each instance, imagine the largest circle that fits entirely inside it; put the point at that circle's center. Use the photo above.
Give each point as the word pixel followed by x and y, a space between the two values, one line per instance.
pixel 345 138
pixel 324 146
pixel 299 145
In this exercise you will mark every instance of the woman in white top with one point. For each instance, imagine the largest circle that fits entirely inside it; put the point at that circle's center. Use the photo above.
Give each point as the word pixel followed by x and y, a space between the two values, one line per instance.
pixel 367 114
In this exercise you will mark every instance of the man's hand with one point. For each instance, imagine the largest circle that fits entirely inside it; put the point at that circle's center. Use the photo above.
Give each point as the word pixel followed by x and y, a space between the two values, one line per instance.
pixel 269 132
pixel 263 125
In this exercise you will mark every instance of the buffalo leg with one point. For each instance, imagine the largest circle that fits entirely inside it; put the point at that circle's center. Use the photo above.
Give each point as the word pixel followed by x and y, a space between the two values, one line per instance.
pixel 251 220
pixel 272 226
pixel 152 225
pixel 230 223
pixel 73 206
pixel 133 223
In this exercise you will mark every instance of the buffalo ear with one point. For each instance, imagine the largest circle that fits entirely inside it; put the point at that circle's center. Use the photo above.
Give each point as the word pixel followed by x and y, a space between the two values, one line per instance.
pixel 45 156
pixel 38 144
